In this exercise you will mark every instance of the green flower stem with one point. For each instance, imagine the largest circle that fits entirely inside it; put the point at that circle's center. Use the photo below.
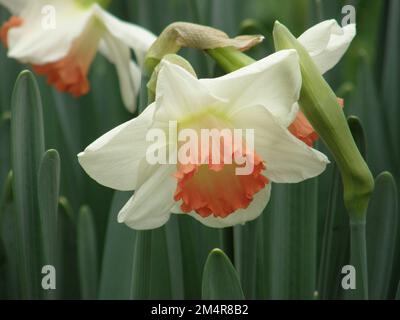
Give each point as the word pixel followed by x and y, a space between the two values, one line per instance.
pixel 230 59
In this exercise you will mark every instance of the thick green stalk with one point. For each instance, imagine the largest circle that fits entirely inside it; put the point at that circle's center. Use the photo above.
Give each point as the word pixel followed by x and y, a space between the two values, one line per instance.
pixel 229 58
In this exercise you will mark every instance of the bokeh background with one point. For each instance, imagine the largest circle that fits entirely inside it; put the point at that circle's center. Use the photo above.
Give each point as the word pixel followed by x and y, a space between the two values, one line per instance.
pixel 300 243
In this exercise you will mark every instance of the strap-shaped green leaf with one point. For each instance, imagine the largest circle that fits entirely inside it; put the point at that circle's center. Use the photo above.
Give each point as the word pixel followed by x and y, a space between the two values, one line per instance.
pixel 116 271
pixel 27 148
pixel 141 268
pixel 382 229
pixel 48 193
pixel 290 226
pixel 335 249
pixel 220 279
pixel 8 244
pixel 67 268
pixel 87 254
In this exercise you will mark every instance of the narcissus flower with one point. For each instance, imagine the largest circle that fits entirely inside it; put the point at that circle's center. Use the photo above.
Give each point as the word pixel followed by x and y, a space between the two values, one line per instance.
pixel 260 98
pixel 326 43
pixel 60 38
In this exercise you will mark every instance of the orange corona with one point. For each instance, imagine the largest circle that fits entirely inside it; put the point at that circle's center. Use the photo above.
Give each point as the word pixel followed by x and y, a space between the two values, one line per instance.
pixel 217 190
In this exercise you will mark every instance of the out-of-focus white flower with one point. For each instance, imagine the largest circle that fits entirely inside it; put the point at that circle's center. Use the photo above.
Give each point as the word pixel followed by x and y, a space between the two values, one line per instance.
pixel 64 50
pixel 260 97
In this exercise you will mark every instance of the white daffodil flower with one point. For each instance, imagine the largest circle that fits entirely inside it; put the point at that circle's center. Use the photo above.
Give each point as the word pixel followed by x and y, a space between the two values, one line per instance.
pixel 261 97
pixel 326 43
pixel 60 38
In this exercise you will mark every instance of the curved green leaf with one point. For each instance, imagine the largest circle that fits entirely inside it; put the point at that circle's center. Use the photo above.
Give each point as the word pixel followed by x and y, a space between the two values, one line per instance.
pixel 357 132
pixel 67 268
pixel 48 192
pixel 27 148
pixel 382 228
pixel 8 244
pixel 220 279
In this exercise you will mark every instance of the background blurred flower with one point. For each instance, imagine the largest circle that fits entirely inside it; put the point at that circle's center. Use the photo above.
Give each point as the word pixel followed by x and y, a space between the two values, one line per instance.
pixel 214 195
pixel 65 51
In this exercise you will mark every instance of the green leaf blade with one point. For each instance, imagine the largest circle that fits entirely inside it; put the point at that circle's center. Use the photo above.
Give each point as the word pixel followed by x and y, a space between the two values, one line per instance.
pixel 382 228
pixel 220 279
pixel 87 254
pixel 48 194
pixel 27 148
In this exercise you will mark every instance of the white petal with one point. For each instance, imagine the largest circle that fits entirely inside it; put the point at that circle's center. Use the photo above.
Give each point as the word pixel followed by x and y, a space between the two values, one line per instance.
pixel 150 206
pixel 128 73
pixel 327 42
pixel 179 94
pixel 133 36
pixel 113 160
pixel 273 82
pixel 241 216
pixel 287 159
pixel 36 42
pixel 14 6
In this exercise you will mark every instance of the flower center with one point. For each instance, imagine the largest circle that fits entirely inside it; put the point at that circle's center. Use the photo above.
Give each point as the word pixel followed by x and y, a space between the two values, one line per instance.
pixel 210 187
pixel 217 190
